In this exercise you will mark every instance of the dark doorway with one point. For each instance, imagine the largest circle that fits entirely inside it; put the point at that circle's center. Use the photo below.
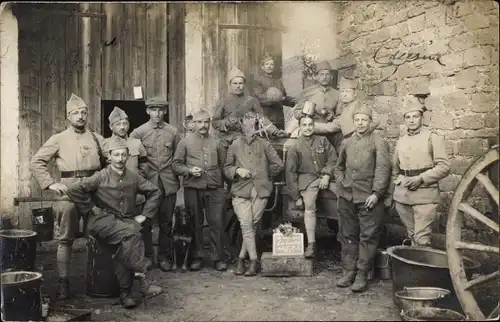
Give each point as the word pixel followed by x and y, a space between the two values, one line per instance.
pixel 136 111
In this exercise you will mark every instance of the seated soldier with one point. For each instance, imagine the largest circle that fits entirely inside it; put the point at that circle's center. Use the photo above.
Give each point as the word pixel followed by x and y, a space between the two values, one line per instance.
pixel 108 200
pixel 310 165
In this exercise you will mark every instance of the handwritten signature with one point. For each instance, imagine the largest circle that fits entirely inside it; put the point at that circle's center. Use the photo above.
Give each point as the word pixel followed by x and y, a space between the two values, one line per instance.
pixel 399 58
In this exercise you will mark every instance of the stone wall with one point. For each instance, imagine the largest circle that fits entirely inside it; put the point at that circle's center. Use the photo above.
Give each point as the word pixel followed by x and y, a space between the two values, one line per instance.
pixel 445 52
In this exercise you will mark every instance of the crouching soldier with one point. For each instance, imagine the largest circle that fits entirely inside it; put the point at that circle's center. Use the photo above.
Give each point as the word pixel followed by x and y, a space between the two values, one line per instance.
pixel 199 158
pixel 362 174
pixel 419 162
pixel 310 167
pixel 251 162
pixel 108 200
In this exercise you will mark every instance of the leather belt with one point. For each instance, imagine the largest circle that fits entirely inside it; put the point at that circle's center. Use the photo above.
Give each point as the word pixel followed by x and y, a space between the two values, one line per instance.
pixel 348 135
pixel 412 172
pixel 77 173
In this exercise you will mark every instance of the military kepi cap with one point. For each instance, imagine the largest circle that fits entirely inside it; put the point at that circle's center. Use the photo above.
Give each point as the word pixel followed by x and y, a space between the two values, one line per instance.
pixel 235 72
pixel 115 142
pixel 362 108
pixel 117 115
pixel 348 83
pixel 74 103
pixel 200 114
pixel 267 57
pixel 412 104
pixel 156 102
pixel 322 65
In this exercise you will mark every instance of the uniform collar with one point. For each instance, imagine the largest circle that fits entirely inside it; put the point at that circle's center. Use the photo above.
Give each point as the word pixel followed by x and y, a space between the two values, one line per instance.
pixel 157 126
pixel 324 89
pixel 359 136
pixel 308 140
pixel 250 139
pixel 116 136
pixel 412 133
pixel 200 136
pixel 78 131
pixel 116 173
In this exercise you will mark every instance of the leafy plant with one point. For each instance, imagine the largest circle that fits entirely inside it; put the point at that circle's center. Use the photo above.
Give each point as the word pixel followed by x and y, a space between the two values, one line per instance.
pixel 286 229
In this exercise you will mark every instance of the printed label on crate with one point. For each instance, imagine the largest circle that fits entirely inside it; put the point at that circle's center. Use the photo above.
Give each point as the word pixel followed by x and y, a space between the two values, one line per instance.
pixel 291 245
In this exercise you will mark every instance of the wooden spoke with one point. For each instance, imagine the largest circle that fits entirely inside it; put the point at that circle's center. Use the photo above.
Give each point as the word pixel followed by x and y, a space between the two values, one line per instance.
pixel 494 313
pixel 474 213
pixel 477 247
pixel 482 280
pixel 489 186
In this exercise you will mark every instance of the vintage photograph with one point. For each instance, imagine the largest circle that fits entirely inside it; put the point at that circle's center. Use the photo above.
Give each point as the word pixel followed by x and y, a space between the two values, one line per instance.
pixel 249 161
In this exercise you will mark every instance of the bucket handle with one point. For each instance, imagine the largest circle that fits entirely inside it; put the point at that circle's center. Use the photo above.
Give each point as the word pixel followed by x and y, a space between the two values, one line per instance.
pixel 386 264
pixel 406 242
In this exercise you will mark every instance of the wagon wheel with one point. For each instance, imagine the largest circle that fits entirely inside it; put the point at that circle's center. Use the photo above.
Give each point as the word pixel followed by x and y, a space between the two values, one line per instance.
pixel 477 172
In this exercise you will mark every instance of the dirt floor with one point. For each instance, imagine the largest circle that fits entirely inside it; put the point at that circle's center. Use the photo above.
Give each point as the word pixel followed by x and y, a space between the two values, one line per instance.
pixel 209 295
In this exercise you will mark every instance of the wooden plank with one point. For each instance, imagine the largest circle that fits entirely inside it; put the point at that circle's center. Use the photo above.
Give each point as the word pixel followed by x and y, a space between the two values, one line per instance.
pixel 156 58
pixel 241 17
pixel 73 57
pixel 134 44
pixel 113 36
pixel 194 69
pixel 176 70
pixel 211 62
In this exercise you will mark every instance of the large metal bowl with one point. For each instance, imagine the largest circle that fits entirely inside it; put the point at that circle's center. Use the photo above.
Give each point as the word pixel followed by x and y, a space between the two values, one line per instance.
pixel 410 298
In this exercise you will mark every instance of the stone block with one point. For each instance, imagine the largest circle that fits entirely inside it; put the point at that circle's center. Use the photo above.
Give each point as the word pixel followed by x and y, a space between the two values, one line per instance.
pixel 462 8
pixel 383 88
pixel 285 265
pixel 394 18
pixel 486 36
pixel 486 6
pixel 467 78
pixel 478 56
pixel 492 120
pixel 472 147
pixel 417 85
pixel 417 23
pixel 493 20
pixel 451 148
pixel 454 134
pixel 449 183
pixel 442 85
pixel 380 35
pixel 434 103
pixel 455 101
pixel 453 61
pixel 483 102
pixel 407 70
pixel 441 119
pixel 482 133
pixel 415 11
pixel 459 165
pixel 435 17
pixel 400 30
pixel 371 25
pixel 462 41
pixel 470 122
pixel 476 21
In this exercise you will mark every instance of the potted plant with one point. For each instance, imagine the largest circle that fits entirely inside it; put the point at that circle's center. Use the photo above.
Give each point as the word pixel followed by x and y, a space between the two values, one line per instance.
pixel 287 240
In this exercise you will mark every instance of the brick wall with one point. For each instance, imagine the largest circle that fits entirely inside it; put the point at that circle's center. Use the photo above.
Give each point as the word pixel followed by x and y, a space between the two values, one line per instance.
pixel 455 72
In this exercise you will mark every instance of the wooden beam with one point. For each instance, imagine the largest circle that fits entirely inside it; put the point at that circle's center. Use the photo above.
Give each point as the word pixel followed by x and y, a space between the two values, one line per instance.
pixel 482 280
pixel 248 26
pixel 70 13
pixel 474 213
pixel 477 247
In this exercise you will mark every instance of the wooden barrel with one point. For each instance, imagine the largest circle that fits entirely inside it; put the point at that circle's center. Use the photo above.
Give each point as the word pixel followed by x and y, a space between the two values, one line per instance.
pixel 101 277
pixel 21 296
pixel 18 248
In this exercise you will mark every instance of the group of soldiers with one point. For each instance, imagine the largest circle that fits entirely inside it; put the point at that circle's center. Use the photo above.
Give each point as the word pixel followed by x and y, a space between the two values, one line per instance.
pixel 121 183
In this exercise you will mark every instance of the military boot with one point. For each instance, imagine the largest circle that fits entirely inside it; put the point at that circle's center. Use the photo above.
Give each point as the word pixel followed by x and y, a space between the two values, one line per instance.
pixel 347 279
pixel 147 290
pixel 63 291
pixel 361 282
pixel 310 250
pixel 240 267
pixel 253 269
pixel 126 299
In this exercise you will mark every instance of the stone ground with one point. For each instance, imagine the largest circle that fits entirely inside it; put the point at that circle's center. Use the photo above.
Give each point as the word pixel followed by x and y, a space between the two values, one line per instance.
pixel 209 295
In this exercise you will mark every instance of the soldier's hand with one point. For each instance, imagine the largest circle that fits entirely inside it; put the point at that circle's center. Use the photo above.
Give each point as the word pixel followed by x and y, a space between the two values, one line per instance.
pixel 325 182
pixel 59 188
pixel 196 171
pixel 413 183
pixel 243 173
pixel 299 203
pixel 371 201
pixel 140 218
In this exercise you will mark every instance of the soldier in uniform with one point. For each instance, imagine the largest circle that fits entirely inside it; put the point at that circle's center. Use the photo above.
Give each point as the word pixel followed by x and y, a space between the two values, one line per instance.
pixel 419 162
pixel 160 140
pixel 310 165
pixel 137 162
pixel 251 162
pixel 362 173
pixel 270 92
pixel 325 99
pixel 108 199
pixel 199 158
pixel 77 153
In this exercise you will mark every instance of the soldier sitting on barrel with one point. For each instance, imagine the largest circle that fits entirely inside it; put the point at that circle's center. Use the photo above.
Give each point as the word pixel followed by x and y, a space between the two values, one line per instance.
pixel 108 199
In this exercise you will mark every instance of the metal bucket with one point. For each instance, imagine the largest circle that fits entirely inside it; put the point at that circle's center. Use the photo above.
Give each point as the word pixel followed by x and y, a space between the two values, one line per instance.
pixel 18 248
pixel 21 296
pixel 383 264
pixel 432 314
pixel 418 297
pixel 44 223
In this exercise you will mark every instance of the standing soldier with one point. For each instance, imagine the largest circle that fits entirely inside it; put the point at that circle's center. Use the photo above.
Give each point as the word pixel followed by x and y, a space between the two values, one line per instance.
pixel 108 198
pixel 419 162
pixel 199 158
pixel 270 92
pixel 325 99
pixel 137 162
pixel 251 162
pixel 77 152
pixel 362 172
pixel 160 140
pixel 310 168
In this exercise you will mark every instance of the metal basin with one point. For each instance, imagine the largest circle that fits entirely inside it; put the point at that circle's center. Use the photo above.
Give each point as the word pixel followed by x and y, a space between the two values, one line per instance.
pixel 418 297
pixel 432 314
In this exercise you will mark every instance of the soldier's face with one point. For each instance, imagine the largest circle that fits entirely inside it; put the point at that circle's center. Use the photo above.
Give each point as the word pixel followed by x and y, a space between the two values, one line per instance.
pixel 346 95
pixel 413 120
pixel 248 123
pixel 324 77
pixel 237 85
pixel 362 122
pixel 120 128
pixel 78 118
pixel 118 158
pixel 202 126
pixel 268 67
pixel 307 126
pixel 156 114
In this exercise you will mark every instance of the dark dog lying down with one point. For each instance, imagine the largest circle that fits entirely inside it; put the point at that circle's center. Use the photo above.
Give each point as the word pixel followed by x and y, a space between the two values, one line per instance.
pixel 182 236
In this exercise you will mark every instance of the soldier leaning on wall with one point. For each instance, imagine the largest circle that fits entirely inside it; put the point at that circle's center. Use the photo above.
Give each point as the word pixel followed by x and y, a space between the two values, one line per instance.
pixel 419 162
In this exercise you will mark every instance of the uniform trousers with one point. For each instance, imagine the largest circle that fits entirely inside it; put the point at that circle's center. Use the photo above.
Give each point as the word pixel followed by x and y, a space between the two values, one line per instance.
pixel 360 230
pixel 419 220
pixel 309 196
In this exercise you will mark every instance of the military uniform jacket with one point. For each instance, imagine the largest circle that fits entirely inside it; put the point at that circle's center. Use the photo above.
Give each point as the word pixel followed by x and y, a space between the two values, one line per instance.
pixel 207 153
pixel 326 99
pixel 160 142
pixel 137 160
pixel 363 167
pixel 115 193
pixel 260 158
pixel 307 160
pixel 261 83
pixel 71 151
pixel 423 152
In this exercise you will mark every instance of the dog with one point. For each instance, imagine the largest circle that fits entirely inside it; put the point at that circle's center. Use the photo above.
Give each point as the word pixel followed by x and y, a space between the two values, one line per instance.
pixel 182 237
